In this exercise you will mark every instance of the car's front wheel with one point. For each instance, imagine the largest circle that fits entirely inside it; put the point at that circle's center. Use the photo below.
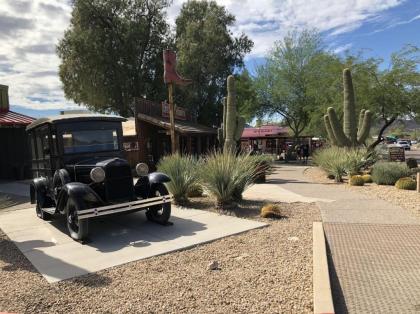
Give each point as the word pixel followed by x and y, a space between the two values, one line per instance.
pixel 77 228
pixel 40 213
pixel 162 212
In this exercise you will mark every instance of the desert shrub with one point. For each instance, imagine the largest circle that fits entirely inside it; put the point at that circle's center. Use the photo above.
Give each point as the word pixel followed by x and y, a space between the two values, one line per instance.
pixel 195 190
pixel 183 174
pixel 339 161
pixel 387 173
pixel 270 211
pixel 225 176
pixel 356 180
pixel 411 163
pixel 367 178
pixel 406 184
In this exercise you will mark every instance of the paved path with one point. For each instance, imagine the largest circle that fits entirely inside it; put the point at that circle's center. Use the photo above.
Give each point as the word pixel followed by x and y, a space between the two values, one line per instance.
pixel 374 246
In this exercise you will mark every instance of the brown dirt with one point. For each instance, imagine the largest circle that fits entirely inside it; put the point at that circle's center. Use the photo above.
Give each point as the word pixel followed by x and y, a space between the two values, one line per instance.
pixel 268 270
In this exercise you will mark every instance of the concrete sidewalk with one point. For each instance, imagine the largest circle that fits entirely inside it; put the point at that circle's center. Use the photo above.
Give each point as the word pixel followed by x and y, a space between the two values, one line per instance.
pixel 374 246
pixel 113 241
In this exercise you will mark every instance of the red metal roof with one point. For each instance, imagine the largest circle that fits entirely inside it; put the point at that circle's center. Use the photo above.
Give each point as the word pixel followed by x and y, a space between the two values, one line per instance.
pixel 13 118
pixel 263 131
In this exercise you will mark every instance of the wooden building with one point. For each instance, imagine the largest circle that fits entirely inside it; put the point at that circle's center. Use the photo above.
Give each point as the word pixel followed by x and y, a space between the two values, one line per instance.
pixel 15 161
pixel 151 139
pixel 270 139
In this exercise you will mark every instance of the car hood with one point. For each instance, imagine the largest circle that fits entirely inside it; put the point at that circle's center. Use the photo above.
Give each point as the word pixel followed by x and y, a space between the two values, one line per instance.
pixel 101 162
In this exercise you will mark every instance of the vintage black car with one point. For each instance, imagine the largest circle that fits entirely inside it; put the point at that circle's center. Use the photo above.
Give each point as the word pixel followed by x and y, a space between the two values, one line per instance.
pixel 79 170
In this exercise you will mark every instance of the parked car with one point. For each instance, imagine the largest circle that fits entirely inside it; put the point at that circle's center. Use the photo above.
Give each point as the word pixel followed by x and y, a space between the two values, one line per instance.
pixel 79 171
pixel 405 144
pixel 413 142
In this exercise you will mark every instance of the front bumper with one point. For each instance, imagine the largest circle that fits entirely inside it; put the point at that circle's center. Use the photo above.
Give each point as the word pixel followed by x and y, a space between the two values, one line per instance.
pixel 123 207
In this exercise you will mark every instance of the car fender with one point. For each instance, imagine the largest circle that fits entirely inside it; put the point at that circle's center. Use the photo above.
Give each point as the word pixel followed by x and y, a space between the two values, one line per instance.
pixel 61 177
pixel 158 177
pixel 81 193
pixel 38 189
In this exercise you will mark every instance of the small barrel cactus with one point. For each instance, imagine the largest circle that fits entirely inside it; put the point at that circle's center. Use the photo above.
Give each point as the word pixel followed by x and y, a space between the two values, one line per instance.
pixel 406 183
pixel 350 135
pixel 367 178
pixel 233 125
pixel 270 211
pixel 356 180
pixel 411 163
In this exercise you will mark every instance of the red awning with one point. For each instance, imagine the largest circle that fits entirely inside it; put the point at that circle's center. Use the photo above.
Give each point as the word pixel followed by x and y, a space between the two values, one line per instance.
pixel 263 131
pixel 13 118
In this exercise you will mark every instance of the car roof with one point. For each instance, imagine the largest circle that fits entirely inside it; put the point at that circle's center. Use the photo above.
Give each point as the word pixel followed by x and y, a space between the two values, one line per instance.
pixel 74 118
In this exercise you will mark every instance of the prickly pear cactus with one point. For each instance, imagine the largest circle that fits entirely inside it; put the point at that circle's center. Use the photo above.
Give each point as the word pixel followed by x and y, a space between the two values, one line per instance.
pixel 349 135
pixel 233 125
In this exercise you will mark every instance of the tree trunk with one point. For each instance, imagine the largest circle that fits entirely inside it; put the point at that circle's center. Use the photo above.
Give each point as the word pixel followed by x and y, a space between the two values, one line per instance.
pixel 381 132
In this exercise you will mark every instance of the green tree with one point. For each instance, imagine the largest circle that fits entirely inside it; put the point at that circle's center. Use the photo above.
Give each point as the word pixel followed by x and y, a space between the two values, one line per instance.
pixel 246 96
pixel 112 52
pixel 393 92
pixel 285 83
pixel 207 53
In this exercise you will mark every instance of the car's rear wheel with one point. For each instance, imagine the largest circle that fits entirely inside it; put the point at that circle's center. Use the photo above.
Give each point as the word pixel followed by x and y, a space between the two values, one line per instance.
pixel 78 228
pixel 162 212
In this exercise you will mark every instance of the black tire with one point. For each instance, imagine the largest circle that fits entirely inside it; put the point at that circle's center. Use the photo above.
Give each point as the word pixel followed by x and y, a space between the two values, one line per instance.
pixel 40 213
pixel 159 213
pixel 77 228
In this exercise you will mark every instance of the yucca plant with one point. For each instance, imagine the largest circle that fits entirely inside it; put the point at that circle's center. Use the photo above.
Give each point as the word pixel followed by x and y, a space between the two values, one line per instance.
pixel 339 161
pixel 183 173
pixel 225 175
pixel 333 161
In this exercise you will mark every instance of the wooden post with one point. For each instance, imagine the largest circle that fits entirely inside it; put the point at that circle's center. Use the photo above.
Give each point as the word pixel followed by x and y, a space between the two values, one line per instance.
pixel 174 146
pixel 418 182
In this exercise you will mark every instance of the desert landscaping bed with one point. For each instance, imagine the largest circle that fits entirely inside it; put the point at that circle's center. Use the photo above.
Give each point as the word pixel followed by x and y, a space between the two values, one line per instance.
pixel 409 200
pixel 261 271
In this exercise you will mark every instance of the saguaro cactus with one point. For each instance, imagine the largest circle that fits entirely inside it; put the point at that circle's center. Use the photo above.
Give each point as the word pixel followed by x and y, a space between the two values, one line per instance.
pixel 233 125
pixel 350 134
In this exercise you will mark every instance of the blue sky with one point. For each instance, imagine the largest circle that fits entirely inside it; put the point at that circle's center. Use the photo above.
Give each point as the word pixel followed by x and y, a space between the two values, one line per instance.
pixel 30 29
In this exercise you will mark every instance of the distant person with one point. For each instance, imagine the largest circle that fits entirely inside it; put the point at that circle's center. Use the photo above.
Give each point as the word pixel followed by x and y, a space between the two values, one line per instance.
pixel 298 149
pixel 305 153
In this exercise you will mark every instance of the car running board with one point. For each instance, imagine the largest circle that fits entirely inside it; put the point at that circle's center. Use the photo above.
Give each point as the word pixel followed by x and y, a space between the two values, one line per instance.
pixel 123 207
pixel 49 210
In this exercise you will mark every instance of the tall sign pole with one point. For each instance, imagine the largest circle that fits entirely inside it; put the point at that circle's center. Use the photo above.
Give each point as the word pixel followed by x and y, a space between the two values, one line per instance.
pixel 172 78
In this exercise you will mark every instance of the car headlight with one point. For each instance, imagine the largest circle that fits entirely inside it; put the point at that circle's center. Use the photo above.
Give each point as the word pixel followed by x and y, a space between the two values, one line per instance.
pixel 142 169
pixel 97 174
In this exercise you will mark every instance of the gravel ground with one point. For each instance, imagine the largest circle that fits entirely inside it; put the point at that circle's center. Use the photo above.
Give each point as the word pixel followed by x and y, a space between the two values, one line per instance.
pixel 409 200
pixel 267 270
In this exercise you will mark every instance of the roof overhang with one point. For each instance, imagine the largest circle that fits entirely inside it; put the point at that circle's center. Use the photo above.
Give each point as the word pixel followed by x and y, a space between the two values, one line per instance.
pixel 180 126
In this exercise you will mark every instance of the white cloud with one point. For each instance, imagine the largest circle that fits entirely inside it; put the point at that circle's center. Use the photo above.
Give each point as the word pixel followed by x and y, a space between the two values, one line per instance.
pixel 30 29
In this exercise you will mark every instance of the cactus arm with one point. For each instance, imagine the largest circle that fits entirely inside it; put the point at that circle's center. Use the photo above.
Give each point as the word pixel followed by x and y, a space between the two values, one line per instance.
pixel 224 117
pixel 330 132
pixel 240 125
pixel 360 125
pixel 341 138
pixel 230 143
pixel 365 129
pixel 349 121
pixel 220 136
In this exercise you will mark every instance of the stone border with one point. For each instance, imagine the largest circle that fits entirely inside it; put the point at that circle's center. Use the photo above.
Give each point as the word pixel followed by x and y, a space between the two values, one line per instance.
pixel 323 302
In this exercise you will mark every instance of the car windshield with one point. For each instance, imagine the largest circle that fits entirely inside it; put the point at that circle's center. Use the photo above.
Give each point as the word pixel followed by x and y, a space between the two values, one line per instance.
pixel 89 141
pixel 403 142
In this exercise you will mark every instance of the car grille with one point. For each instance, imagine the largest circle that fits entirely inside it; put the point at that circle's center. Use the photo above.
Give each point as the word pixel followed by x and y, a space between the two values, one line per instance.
pixel 119 183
